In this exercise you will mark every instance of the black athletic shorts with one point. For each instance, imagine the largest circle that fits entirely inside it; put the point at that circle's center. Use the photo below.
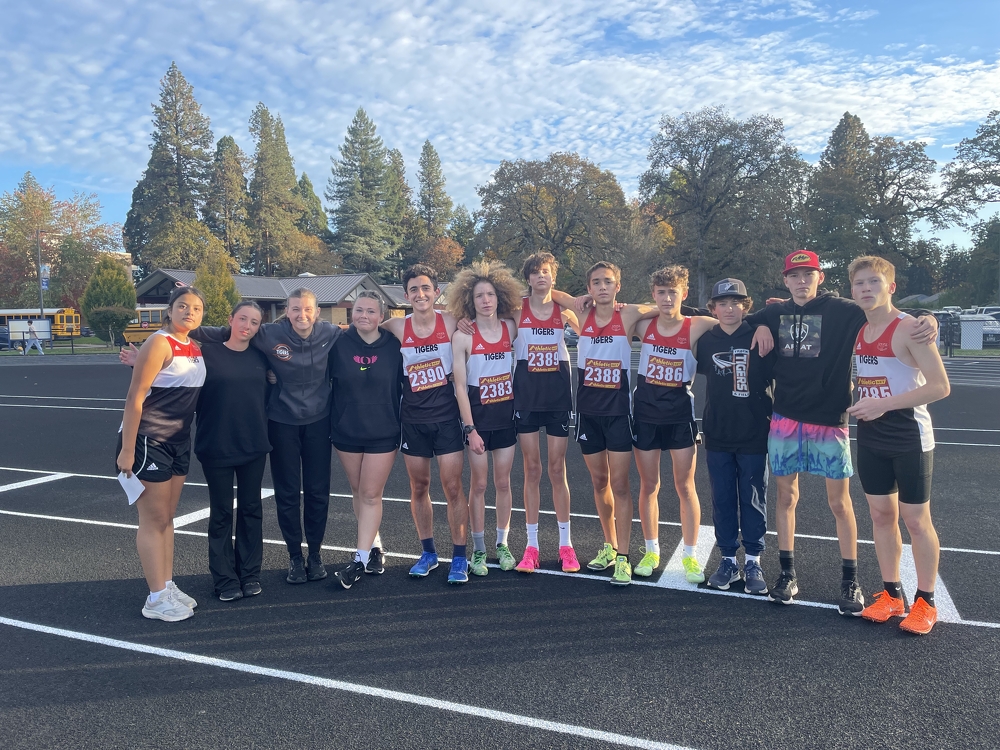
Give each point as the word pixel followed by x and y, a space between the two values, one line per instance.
pixel 909 474
pixel 664 437
pixel 497 439
pixel 156 461
pixel 387 447
pixel 556 423
pixel 596 434
pixel 436 439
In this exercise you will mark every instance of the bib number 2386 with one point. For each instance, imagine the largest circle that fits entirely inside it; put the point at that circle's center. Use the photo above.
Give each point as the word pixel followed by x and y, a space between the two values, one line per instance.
pixel 602 373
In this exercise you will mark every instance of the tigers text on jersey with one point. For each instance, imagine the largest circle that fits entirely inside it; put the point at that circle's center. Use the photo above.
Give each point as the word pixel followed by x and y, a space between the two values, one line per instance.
pixel 428 394
pixel 663 384
pixel 879 375
pixel 491 385
pixel 541 374
pixel 168 410
pixel 603 357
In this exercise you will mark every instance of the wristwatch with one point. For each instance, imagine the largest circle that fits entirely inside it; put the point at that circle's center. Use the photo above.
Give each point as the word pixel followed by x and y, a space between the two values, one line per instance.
pixel 468 428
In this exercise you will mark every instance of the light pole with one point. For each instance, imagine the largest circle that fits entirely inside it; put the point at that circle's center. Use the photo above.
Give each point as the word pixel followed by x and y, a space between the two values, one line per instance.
pixel 41 293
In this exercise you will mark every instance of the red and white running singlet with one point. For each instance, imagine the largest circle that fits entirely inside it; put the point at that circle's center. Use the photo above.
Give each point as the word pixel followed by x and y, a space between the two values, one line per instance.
pixel 663 384
pixel 541 375
pixel 428 394
pixel 879 375
pixel 168 410
pixel 491 383
pixel 603 358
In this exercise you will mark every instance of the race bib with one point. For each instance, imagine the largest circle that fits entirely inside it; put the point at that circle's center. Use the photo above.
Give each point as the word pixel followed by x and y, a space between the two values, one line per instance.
pixel 873 387
pixel 602 373
pixel 668 372
pixel 496 388
pixel 425 375
pixel 543 357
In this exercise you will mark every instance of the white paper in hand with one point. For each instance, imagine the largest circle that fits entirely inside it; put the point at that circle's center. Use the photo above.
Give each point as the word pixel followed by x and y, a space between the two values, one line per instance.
pixel 132 486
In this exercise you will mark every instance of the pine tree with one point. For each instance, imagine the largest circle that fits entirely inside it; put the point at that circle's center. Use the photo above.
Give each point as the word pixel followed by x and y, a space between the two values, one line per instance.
pixel 434 205
pixel 214 280
pixel 397 213
pixel 313 221
pixel 228 202
pixel 462 229
pixel 175 183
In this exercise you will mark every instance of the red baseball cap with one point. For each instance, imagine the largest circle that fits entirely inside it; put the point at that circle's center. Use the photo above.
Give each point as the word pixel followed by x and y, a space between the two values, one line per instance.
pixel 801 259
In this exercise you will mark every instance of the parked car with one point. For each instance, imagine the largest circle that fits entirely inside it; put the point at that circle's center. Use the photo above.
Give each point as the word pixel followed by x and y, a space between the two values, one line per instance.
pixel 86 331
pixel 989 310
pixel 4 338
pixel 569 335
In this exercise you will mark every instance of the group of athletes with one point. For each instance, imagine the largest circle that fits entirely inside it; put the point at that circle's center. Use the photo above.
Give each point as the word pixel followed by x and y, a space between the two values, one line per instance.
pixel 491 372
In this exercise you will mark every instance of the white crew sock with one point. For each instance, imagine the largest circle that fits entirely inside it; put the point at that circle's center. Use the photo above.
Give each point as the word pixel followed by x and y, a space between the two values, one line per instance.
pixel 363 555
pixel 532 535
pixel 378 540
pixel 688 550
pixel 478 541
pixel 653 545
pixel 154 596
pixel 751 558
pixel 564 538
pixel 732 560
pixel 502 535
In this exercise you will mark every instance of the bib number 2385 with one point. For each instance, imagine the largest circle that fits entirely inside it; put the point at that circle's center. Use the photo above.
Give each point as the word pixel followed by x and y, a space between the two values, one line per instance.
pixel 602 373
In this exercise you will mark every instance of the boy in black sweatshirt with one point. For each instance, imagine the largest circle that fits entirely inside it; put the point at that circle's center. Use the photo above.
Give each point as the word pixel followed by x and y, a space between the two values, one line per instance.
pixel 814 333
pixel 735 423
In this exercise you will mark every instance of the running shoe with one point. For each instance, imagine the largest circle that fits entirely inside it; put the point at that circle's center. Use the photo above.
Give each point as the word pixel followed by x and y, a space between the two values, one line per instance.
pixel 884 607
pixel 605 558
pixel 187 601
pixel 166 608
pixel 785 588
pixel 478 564
pixel 427 562
pixel 315 570
pixel 230 595
pixel 529 562
pixel 753 578
pixel 920 620
pixel 623 572
pixel 852 601
pixel 567 556
pixel 727 574
pixel 692 570
pixel 376 562
pixel 459 572
pixel 350 574
pixel 505 558
pixel 296 570
pixel 649 562
pixel 252 588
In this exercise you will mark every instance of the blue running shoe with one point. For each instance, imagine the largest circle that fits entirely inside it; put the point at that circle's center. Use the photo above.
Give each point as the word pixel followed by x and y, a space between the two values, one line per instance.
pixel 427 562
pixel 459 572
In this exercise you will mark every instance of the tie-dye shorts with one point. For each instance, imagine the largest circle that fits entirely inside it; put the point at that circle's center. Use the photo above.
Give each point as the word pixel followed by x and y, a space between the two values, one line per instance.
pixel 795 447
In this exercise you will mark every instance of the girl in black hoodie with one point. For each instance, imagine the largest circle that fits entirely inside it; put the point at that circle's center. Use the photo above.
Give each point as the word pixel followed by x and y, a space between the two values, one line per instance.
pixel 366 370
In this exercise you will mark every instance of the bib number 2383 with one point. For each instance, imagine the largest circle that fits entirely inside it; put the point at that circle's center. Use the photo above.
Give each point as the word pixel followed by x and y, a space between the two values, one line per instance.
pixel 424 375
pixel 602 373
pixel 496 388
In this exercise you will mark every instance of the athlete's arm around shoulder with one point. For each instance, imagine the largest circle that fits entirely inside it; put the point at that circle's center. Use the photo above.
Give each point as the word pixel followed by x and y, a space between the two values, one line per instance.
pixel 152 357
pixel 394 326
pixel 213 334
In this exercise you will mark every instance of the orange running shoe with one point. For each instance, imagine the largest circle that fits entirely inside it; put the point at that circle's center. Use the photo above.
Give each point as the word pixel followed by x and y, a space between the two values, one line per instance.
pixel 884 607
pixel 921 618
pixel 567 556
pixel 529 562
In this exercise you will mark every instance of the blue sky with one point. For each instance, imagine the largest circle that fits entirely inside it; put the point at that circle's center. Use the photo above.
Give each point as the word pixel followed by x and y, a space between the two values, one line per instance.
pixel 484 81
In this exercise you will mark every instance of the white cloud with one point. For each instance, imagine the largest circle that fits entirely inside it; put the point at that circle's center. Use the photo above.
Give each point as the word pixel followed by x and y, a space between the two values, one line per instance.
pixel 498 79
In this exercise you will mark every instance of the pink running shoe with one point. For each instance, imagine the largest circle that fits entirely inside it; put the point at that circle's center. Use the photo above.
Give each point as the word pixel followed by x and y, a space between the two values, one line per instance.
pixel 529 562
pixel 567 556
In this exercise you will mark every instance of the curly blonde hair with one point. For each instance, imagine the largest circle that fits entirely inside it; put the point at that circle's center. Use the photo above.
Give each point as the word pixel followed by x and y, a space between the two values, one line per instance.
pixel 461 291
pixel 671 276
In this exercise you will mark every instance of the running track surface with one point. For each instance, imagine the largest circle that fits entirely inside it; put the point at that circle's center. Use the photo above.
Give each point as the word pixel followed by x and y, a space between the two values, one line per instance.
pixel 547 660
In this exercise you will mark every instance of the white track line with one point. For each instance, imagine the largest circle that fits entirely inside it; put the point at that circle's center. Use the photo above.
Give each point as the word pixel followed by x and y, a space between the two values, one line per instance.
pixel 199 515
pixel 30 482
pixel 73 408
pixel 72 398
pixel 365 691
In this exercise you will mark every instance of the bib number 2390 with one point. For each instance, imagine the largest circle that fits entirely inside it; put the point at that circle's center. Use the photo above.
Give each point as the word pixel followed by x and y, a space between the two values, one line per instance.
pixel 424 375
pixel 602 373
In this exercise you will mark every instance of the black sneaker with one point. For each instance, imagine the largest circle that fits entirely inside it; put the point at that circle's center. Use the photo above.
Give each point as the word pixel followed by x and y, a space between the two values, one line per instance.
pixel 852 601
pixel 251 588
pixel 350 573
pixel 296 570
pixel 315 569
pixel 230 595
pixel 376 562
pixel 784 589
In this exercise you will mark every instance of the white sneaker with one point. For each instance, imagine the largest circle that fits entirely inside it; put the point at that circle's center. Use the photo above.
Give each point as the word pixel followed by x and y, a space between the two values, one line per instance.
pixel 187 601
pixel 166 608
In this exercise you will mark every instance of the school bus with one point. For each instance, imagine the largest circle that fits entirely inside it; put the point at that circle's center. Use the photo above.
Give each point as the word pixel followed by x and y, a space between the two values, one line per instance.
pixel 64 321
pixel 148 320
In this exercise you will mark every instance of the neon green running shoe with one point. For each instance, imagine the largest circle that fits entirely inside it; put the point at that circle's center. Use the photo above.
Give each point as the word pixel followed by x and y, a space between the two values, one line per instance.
pixel 623 572
pixel 692 570
pixel 649 562
pixel 477 565
pixel 504 557
pixel 605 558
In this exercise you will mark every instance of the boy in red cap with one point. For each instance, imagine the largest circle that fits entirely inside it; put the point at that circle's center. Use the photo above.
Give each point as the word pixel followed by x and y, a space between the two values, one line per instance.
pixel 815 332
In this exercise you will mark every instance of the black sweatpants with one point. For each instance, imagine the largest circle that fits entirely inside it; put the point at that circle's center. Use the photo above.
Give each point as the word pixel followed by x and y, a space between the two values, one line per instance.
pixel 300 457
pixel 231 569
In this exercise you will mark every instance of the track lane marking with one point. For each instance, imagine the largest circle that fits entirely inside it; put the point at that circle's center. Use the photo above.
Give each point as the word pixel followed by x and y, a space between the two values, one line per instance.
pixel 64 398
pixel 32 482
pixel 199 515
pixel 365 691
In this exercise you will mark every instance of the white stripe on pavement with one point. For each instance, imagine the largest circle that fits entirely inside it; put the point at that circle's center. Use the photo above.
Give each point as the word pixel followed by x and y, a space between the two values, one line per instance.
pixel 947 611
pixel 352 687
pixel 199 515
pixel 30 482
pixel 673 576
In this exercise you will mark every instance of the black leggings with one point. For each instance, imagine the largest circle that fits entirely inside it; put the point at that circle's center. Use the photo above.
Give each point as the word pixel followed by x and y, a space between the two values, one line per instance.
pixel 300 460
pixel 232 568
pixel 909 474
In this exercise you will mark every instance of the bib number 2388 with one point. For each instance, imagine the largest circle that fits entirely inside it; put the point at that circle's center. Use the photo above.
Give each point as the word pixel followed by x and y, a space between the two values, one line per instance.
pixel 602 373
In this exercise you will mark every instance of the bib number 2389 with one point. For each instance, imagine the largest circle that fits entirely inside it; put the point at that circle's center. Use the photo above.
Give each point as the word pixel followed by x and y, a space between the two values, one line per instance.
pixel 602 373
pixel 424 375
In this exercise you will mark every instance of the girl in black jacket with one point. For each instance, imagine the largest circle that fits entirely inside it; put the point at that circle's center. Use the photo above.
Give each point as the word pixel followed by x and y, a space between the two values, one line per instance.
pixel 366 370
